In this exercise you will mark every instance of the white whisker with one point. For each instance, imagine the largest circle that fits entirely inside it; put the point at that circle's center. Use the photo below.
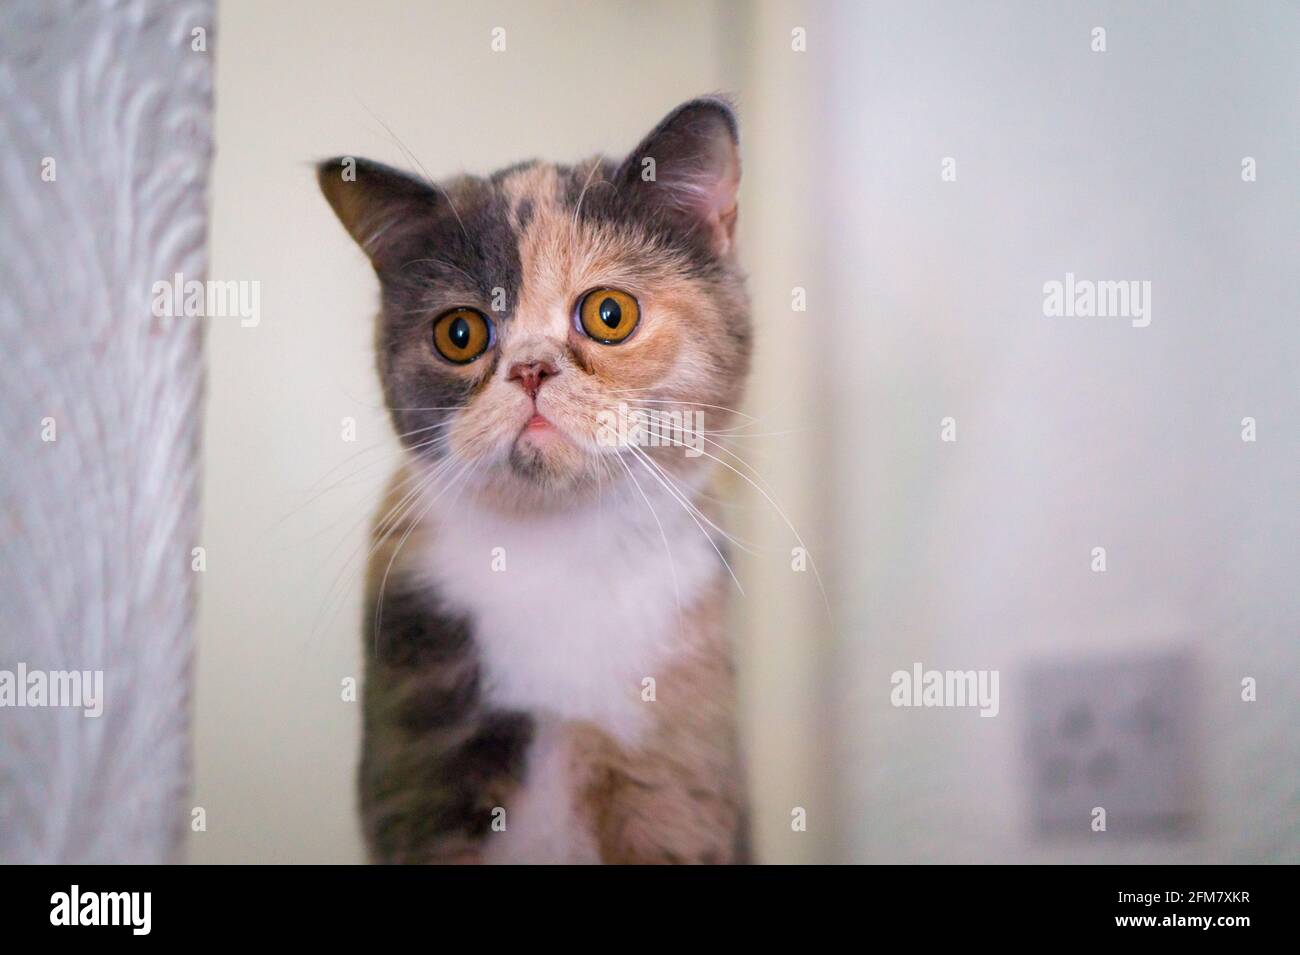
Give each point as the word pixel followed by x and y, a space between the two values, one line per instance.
pixel 672 565
pixel 780 512
pixel 677 496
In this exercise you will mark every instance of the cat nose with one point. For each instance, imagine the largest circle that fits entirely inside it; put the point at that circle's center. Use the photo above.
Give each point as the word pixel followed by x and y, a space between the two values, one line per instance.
pixel 531 374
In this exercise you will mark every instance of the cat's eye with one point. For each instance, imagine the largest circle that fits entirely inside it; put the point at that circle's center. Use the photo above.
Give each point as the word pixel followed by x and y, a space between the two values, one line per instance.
pixel 608 315
pixel 462 335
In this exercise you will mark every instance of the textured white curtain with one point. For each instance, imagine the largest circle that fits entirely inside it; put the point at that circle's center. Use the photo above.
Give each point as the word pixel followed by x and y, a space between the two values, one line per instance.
pixel 105 119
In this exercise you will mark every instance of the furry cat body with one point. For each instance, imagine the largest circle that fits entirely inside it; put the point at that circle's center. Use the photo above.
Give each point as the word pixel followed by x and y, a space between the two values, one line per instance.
pixel 548 677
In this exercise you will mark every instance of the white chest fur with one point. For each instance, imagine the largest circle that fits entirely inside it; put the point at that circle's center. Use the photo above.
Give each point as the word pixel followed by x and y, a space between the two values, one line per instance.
pixel 572 611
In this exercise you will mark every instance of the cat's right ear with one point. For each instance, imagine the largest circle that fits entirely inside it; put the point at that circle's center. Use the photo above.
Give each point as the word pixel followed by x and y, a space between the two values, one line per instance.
pixel 378 205
pixel 689 168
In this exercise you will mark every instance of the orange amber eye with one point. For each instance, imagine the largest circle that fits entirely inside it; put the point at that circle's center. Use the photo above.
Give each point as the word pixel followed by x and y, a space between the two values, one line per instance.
pixel 608 315
pixel 461 335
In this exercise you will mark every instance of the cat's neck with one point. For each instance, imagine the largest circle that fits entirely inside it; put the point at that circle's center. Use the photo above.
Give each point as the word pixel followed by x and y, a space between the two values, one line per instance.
pixel 571 609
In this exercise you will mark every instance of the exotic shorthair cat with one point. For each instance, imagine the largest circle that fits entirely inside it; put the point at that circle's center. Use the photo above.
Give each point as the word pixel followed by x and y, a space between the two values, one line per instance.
pixel 549 679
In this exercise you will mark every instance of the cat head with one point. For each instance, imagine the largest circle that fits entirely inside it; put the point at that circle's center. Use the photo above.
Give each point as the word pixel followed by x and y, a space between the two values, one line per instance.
pixel 534 320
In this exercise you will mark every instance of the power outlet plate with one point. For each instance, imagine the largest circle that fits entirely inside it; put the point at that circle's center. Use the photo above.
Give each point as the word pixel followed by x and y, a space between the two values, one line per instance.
pixel 1114 733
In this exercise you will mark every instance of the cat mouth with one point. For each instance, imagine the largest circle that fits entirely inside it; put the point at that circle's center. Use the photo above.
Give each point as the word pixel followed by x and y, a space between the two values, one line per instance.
pixel 537 423
pixel 538 431
pixel 540 451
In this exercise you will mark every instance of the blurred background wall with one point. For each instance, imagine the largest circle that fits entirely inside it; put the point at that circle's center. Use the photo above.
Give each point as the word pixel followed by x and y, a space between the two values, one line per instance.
pixel 1071 433
pixel 924 301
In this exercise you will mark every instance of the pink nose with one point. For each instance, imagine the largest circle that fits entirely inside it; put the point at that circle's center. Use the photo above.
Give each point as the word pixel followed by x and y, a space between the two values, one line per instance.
pixel 531 374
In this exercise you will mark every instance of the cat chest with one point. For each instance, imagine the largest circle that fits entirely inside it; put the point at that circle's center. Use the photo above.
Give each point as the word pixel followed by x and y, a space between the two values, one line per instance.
pixel 570 622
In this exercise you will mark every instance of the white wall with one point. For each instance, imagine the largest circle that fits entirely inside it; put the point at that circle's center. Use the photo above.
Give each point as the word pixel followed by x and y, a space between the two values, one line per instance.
pixel 1072 433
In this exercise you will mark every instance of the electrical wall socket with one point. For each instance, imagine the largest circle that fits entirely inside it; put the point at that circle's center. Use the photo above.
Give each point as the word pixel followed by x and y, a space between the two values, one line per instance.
pixel 1115 733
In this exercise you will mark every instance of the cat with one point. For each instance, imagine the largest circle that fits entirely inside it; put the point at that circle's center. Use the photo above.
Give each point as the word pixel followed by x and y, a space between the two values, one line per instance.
pixel 549 679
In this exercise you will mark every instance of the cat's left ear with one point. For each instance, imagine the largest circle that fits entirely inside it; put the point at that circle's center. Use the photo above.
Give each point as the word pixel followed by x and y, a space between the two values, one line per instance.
pixel 689 168
pixel 383 209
